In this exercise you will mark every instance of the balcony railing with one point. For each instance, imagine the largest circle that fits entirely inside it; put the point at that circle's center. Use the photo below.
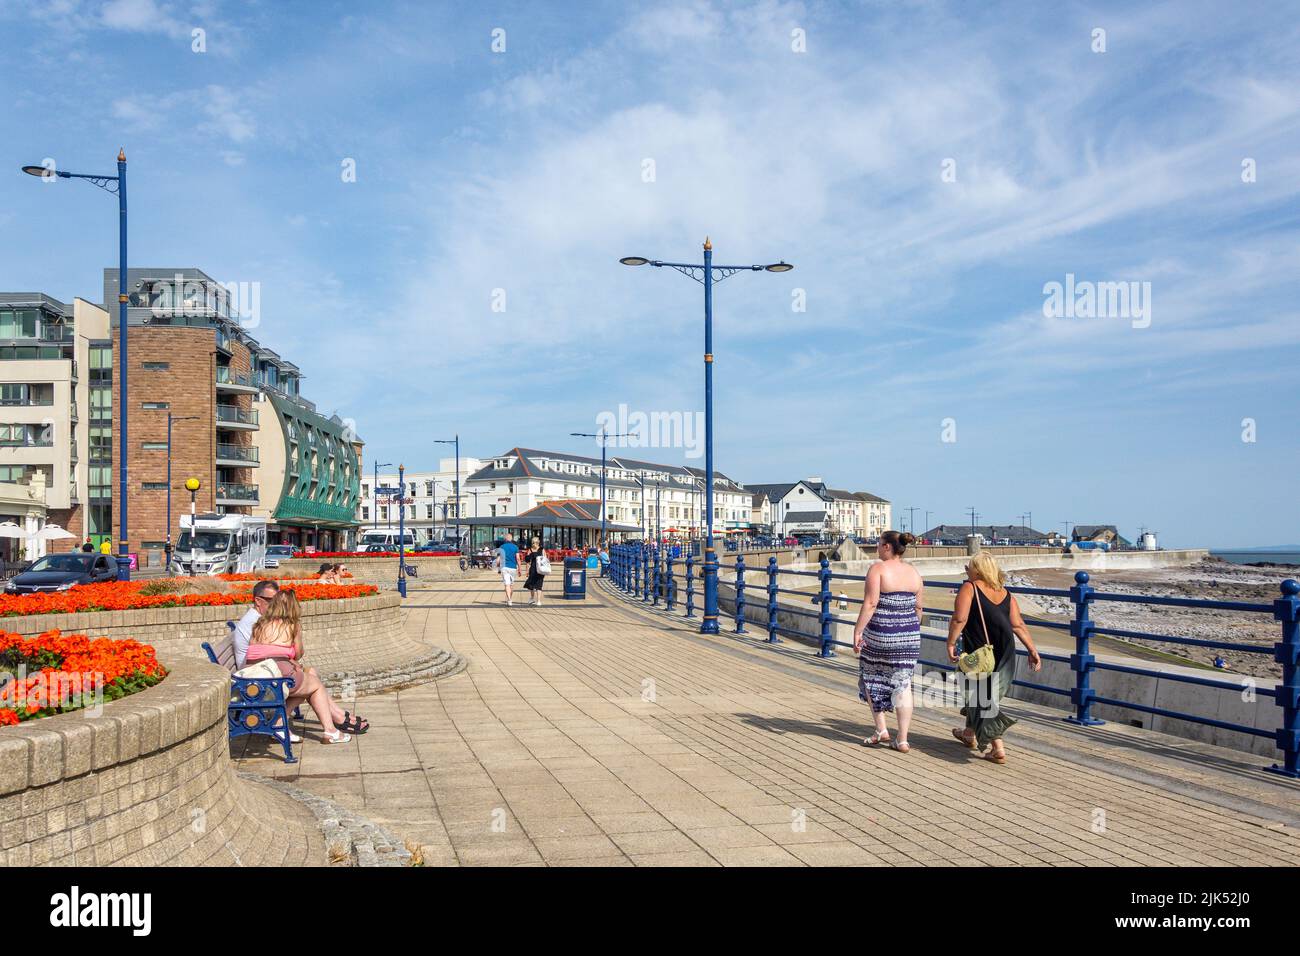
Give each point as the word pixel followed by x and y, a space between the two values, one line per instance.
pixel 236 415
pixel 237 453
pixel 236 493
pixel 226 377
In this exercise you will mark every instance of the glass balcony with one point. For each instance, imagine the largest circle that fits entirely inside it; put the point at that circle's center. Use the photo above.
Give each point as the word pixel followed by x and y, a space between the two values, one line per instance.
pixel 235 416
pixel 232 494
pixel 229 381
pixel 243 454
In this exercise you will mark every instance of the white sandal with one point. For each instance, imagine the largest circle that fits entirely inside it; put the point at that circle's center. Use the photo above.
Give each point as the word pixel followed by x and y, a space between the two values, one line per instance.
pixel 902 746
pixel 338 737
pixel 881 737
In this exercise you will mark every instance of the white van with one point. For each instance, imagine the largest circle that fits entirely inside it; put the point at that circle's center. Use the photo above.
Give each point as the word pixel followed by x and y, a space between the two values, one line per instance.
pixel 220 544
pixel 385 539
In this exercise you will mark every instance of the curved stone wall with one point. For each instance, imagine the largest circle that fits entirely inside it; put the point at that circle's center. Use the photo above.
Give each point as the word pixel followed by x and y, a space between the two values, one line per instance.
pixel 356 644
pixel 381 572
pixel 147 782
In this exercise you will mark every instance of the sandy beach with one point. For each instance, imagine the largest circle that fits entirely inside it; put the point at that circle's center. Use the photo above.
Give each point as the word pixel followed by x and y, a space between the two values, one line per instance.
pixel 1210 579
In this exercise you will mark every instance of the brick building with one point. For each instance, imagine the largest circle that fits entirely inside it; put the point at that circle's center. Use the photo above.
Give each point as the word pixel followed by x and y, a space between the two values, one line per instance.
pixel 238 421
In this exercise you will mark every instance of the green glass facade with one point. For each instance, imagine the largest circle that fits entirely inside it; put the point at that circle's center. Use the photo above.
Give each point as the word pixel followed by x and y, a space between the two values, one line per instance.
pixel 322 474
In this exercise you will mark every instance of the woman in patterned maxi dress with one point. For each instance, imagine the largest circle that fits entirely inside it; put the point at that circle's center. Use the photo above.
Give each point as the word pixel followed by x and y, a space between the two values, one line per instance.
pixel 887 657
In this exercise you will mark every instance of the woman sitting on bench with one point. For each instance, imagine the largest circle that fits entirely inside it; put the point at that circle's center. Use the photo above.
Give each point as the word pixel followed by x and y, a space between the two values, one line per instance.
pixel 277 636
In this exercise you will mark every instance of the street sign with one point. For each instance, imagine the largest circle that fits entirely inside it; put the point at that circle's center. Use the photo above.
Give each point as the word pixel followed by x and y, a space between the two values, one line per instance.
pixel 388 490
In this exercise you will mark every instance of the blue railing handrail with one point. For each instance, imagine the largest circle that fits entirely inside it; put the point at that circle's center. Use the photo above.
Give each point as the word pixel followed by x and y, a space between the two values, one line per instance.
pixel 652 573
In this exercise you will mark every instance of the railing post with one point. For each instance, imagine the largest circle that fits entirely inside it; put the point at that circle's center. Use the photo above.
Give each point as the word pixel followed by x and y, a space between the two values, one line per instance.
pixel 657 580
pixel 825 576
pixel 1081 661
pixel 740 592
pixel 690 584
pixel 1287 653
pixel 645 575
pixel 669 596
pixel 771 601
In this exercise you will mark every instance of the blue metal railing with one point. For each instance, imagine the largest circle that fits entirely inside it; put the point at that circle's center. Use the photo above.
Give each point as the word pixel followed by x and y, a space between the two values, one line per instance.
pixel 637 570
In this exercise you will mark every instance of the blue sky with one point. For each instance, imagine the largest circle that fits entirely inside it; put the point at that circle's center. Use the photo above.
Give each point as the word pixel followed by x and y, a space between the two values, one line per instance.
pixel 522 171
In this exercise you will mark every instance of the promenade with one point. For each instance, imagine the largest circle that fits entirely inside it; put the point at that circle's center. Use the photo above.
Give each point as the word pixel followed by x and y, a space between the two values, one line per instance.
pixel 597 733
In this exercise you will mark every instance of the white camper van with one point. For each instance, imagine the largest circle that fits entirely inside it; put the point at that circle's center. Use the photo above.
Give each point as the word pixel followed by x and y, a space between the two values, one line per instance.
pixel 381 539
pixel 220 544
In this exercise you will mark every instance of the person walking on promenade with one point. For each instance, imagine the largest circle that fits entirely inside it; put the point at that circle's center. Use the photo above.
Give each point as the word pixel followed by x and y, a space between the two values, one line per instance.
pixel 535 578
pixel 508 565
pixel 994 619
pixel 887 656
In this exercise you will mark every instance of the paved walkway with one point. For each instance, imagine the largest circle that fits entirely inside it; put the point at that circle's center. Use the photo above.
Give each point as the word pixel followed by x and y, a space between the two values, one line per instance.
pixel 595 733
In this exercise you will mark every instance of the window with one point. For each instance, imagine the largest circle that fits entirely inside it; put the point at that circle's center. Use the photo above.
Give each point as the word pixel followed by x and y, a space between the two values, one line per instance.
pixel 153 446
pixel 155 366
pixel 28 436
pixel 365 513
pixel 18 324
pixel 159 406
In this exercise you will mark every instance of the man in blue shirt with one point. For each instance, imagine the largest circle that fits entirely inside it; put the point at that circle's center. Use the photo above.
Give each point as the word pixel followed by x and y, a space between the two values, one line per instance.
pixel 508 564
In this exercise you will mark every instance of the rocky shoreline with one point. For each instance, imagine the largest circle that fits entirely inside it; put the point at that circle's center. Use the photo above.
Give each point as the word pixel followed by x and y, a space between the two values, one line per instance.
pixel 1211 579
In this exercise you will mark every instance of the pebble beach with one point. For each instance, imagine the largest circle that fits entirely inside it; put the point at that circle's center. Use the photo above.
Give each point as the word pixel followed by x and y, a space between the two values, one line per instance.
pixel 1210 579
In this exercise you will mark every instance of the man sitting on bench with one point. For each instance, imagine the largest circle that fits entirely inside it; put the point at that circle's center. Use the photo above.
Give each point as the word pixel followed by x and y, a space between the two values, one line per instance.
pixel 264 593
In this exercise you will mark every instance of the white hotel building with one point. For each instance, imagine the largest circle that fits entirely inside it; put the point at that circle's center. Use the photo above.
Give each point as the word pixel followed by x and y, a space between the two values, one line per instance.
pixel 522 479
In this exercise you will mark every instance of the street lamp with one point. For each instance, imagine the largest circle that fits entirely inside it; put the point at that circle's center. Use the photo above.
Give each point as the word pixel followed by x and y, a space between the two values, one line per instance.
pixel 453 441
pixel 387 464
pixel 115 185
pixel 704 274
pixel 192 485
pixel 604 441
pixel 401 530
pixel 172 418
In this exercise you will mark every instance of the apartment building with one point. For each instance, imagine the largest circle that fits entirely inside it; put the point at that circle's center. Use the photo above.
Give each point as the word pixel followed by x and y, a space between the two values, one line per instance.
pixel 432 505
pixel 238 421
pixel 810 506
pixel 669 498
pixel 52 415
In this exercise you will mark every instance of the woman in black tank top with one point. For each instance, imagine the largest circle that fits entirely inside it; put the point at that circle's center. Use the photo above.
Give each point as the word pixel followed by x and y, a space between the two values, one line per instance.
pixel 985 612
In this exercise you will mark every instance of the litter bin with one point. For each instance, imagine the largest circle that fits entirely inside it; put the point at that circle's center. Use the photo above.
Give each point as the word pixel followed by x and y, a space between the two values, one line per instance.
pixel 575 578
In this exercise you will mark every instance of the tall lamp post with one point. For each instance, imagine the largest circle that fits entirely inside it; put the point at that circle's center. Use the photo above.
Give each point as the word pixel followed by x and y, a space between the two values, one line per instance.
pixel 115 185
pixel 401 530
pixel 170 419
pixel 192 485
pixel 604 441
pixel 704 274
pixel 453 441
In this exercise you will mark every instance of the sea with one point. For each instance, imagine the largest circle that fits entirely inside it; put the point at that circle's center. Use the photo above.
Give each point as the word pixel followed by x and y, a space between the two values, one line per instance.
pixel 1258 557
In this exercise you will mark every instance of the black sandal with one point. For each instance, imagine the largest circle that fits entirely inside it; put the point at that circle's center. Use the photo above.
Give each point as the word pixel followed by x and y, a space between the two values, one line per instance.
pixel 354 725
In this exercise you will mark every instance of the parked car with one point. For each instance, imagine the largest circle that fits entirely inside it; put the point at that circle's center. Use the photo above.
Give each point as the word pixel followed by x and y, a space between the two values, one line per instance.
pixel 58 572
pixel 275 553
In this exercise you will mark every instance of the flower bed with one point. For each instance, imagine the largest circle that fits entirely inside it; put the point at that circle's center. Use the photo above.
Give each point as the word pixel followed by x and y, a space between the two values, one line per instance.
pixel 134 595
pixel 410 553
pixel 57 673
pixel 264 576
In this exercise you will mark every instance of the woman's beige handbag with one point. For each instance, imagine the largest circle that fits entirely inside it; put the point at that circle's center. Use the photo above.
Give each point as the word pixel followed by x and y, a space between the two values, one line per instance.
pixel 980 660
pixel 260 670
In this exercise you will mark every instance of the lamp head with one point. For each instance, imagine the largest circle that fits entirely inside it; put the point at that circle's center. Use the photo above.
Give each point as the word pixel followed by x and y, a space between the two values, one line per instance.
pixel 43 172
pixel 626 260
pixel 779 267
pixel 192 484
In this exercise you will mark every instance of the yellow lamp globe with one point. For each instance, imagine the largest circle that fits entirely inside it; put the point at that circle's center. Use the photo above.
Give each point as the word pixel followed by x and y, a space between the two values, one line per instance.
pixel 192 484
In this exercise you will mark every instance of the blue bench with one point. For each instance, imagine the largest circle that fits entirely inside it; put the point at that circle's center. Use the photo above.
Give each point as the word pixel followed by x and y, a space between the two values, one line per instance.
pixel 257 704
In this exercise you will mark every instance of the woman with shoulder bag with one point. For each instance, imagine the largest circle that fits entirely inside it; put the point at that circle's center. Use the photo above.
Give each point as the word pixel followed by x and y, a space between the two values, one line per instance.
pixel 988 619
pixel 538 567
